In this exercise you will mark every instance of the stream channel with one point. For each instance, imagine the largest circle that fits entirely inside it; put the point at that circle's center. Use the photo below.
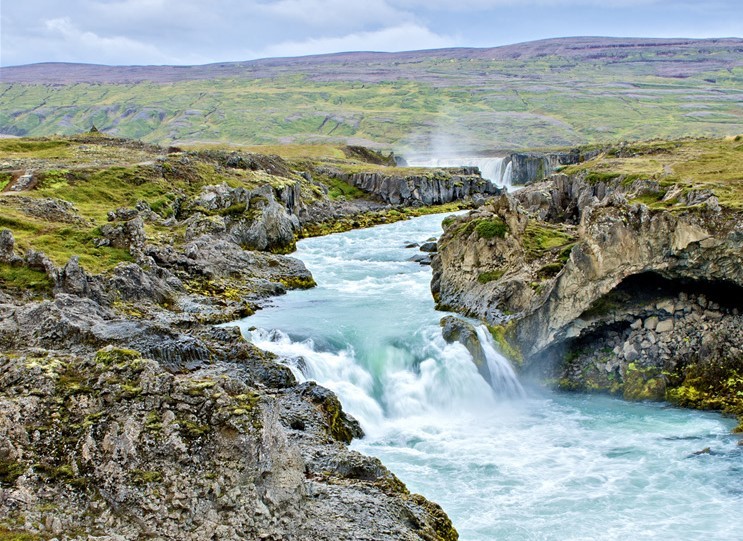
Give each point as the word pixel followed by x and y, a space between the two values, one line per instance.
pixel 505 462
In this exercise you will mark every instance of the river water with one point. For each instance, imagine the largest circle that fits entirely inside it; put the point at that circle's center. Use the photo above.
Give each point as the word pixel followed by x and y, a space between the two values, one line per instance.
pixel 505 463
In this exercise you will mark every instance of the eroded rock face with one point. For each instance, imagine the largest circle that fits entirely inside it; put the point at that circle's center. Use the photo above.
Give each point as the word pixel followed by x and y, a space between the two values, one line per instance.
pixel 440 187
pixel 203 435
pixel 621 303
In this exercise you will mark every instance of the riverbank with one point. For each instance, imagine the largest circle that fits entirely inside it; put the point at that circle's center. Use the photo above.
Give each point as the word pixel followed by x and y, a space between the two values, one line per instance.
pixel 126 413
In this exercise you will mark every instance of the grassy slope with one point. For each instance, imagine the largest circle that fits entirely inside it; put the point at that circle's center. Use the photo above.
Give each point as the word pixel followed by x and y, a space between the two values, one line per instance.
pixel 98 174
pixel 684 165
pixel 476 102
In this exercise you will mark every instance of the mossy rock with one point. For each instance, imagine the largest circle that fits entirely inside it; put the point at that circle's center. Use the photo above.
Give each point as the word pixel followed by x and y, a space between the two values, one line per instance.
pixel 491 228
pixel 644 383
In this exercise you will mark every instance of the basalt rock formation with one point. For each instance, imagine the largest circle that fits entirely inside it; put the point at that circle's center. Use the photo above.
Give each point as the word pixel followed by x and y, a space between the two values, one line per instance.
pixel 608 282
pixel 435 188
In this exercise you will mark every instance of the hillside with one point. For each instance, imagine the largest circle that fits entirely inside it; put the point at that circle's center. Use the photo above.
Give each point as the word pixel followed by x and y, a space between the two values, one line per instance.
pixel 559 92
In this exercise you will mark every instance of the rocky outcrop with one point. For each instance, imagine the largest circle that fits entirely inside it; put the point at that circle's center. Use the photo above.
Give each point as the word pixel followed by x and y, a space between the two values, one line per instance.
pixel 155 425
pixel 633 299
pixel 264 218
pixel 454 329
pixel 435 188
pixel 529 167
pixel 112 444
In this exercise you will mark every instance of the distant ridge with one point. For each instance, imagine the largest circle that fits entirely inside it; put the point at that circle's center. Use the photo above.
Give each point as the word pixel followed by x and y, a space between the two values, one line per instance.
pixel 549 93
pixel 577 48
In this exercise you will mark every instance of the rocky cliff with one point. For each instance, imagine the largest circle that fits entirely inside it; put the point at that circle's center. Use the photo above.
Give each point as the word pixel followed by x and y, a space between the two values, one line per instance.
pixel 622 282
pixel 431 188
pixel 124 413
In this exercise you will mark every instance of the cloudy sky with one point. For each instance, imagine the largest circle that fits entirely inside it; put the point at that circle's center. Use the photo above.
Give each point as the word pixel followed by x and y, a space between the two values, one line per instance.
pixel 203 31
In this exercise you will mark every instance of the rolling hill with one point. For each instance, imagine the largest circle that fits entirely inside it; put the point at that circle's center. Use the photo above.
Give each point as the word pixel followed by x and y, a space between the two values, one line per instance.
pixel 549 93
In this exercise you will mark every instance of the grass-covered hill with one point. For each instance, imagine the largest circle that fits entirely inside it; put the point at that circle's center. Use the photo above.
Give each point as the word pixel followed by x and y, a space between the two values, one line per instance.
pixel 548 93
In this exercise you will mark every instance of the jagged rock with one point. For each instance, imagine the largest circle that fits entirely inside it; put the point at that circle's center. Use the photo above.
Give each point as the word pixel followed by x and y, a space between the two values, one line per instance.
pixel 441 187
pixel 7 248
pixel 129 235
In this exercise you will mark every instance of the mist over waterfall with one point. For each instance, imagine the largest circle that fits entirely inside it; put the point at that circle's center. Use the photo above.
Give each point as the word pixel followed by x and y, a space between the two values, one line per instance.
pixel 504 461
pixel 496 170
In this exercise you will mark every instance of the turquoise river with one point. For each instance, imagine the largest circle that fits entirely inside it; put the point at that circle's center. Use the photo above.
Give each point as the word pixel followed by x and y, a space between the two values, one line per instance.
pixel 505 462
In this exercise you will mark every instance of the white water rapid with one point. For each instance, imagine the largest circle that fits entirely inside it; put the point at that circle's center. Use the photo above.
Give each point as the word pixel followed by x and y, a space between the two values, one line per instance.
pixel 504 463
pixel 496 170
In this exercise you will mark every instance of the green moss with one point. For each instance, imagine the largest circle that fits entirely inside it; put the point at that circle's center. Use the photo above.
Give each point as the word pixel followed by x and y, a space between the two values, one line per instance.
pixel 145 477
pixel 118 357
pixel 339 188
pixel 446 222
pixel 491 228
pixel 233 210
pixel 716 384
pixel 594 177
pixel 17 535
pixel 541 238
pixel 442 525
pixel 643 383
pixel 490 276
pixel 10 470
pixel 153 422
pixel 192 430
pixel 297 282
pixel 199 387
pixel 24 279
pixel 503 336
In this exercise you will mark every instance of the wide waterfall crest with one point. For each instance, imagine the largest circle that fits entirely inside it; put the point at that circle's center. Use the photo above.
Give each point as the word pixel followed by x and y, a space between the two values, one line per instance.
pixel 496 170
pixel 502 375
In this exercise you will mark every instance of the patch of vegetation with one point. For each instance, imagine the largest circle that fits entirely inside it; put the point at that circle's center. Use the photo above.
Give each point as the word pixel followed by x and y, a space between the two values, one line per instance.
pixel 550 270
pixel 340 188
pixel 145 477
pixel 715 384
pixel 39 147
pixel 686 164
pixel 502 334
pixel 491 228
pixel 643 383
pixel 594 177
pixel 540 238
pixel 5 179
pixel 18 535
pixel 10 470
pixel 490 276
pixel 24 279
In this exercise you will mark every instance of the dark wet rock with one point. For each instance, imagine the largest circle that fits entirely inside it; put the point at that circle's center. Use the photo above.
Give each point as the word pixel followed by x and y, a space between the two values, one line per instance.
pixel 423 259
pixel 454 329
pixel 429 247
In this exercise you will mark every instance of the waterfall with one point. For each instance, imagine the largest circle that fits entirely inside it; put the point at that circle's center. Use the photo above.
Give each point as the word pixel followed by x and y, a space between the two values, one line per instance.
pixel 502 466
pixel 502 376
pixel 496 170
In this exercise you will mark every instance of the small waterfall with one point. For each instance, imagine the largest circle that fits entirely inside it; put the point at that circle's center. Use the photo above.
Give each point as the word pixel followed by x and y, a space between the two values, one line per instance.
pixel 508 174
pixel 496 170
pixel 502 375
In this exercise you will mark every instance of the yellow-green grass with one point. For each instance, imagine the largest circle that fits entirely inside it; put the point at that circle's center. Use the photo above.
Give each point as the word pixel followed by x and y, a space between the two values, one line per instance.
pixel 691 164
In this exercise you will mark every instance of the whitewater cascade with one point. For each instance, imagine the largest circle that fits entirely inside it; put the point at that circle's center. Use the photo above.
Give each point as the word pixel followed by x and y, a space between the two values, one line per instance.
pixel 502 462
pixel 496 170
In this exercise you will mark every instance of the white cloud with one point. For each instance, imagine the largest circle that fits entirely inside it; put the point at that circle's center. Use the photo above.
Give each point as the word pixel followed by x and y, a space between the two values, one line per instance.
pixel 326 13
pixel 404 37
pixel 116 49
pixel 489 5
